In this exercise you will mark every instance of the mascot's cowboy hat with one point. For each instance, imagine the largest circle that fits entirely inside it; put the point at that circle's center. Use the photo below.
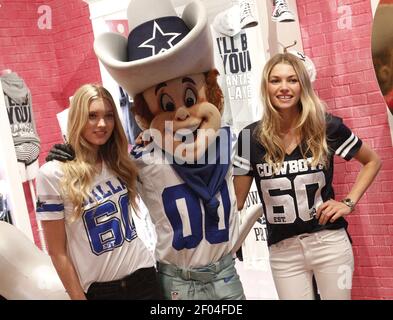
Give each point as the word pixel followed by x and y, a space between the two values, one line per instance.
pixel 161 46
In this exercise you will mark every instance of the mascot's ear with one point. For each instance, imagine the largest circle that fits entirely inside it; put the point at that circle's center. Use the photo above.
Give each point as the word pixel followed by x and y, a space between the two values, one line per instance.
pixel 143 116
pixel 25 271
pixel 213 91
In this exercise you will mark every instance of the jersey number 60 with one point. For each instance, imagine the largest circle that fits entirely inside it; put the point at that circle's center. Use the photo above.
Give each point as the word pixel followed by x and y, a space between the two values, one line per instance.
pixel 105 233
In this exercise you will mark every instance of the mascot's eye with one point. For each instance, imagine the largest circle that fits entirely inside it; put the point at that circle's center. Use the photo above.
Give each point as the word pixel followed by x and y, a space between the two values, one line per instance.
pixel 167 103
pixel 190 97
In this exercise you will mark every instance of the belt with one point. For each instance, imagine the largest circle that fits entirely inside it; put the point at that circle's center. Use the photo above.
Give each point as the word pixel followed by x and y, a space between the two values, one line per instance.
pixel 203 274
pixel 120 283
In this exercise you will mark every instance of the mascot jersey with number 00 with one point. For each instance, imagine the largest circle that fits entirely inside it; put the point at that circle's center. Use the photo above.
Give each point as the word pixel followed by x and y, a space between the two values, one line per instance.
pixel 187 188
pixel 185 173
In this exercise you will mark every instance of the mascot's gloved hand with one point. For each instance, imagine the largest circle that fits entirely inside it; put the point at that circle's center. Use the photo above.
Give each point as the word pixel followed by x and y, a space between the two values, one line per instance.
pixel 61 152
pixel 143 138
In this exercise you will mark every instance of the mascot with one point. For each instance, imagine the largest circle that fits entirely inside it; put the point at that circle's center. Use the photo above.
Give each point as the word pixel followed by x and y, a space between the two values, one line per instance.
pixel 185 172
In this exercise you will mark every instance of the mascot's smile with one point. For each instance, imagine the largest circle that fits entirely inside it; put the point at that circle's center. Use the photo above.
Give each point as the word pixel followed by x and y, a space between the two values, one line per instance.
pixel 188 134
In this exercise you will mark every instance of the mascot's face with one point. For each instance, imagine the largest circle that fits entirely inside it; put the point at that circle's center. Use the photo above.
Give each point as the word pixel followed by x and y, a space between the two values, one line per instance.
pixel 184 122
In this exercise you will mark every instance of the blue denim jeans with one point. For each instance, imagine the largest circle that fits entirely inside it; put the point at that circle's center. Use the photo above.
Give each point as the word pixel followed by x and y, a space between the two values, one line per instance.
pixel 216 281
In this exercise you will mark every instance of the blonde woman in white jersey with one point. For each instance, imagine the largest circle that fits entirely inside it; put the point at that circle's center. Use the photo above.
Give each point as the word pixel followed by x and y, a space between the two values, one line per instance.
pixel 85 207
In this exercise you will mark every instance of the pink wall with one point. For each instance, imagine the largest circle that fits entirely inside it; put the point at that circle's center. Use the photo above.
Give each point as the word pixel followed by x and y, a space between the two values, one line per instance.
pixel 53 63
pixel 346 81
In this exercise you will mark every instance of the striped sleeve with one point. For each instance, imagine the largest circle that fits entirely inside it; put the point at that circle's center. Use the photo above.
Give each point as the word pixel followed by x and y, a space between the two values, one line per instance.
pixel 50 205
pixel 342 140
pixel 242 160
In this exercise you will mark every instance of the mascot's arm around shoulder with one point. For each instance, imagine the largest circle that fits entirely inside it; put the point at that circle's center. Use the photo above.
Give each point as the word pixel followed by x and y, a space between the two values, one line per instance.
pixel 61 152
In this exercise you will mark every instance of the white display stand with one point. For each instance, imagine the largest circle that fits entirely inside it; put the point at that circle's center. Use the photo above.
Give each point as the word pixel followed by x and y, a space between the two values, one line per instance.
pixel 27 273
pixel 9 173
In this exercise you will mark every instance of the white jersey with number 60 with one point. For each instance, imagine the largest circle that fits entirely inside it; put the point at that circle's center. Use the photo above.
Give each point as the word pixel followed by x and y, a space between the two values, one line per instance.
pixel 103 243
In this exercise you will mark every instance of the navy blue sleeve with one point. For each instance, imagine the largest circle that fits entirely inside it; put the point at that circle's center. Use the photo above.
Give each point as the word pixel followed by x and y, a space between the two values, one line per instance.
pixel 341 140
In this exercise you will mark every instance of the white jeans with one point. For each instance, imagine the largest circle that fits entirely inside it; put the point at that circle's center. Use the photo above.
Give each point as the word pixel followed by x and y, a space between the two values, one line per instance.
pixel 327 254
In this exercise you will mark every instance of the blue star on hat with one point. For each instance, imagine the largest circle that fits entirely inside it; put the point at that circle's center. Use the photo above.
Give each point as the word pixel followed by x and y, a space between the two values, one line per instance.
pixel 155 36
pixel 160 41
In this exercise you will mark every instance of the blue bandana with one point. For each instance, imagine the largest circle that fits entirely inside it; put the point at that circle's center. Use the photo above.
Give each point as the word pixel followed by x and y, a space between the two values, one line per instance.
pixel 207 179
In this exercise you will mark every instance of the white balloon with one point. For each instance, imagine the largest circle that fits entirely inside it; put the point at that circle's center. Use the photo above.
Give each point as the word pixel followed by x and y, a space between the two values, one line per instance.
pixel 26 272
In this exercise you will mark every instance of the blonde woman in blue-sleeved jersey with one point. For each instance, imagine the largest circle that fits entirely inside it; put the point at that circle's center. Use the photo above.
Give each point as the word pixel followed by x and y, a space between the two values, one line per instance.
pixel 85 207
pixel 290 154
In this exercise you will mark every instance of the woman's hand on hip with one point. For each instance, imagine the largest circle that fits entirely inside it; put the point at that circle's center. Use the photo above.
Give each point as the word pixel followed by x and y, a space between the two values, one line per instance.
pixel 331 210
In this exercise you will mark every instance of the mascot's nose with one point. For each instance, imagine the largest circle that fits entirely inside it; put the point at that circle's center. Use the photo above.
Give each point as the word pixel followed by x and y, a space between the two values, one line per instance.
pixel 182 114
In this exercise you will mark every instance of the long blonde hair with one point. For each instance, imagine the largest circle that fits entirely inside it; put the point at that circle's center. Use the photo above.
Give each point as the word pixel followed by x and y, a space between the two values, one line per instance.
pixel 79 173
pixel 311 122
